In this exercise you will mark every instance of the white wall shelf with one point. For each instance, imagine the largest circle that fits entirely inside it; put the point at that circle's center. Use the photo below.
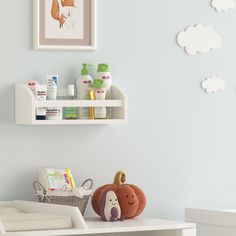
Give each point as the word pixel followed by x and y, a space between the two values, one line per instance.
pixel 25 105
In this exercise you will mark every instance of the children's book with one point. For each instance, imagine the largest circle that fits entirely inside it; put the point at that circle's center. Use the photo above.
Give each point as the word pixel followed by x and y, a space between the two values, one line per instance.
pixel 56 179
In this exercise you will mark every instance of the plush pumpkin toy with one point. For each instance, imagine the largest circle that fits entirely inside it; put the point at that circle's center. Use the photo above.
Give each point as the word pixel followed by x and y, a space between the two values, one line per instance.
pixel 131 198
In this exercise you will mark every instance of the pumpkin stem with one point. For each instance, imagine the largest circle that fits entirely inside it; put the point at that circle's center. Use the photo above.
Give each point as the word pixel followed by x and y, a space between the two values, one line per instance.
pixel 120 178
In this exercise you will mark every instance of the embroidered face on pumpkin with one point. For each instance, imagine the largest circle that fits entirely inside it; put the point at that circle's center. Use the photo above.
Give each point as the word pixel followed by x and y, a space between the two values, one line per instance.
pixel 128 201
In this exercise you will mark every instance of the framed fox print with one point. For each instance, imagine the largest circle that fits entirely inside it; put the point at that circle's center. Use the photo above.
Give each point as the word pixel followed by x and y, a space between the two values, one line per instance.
pixel 64 24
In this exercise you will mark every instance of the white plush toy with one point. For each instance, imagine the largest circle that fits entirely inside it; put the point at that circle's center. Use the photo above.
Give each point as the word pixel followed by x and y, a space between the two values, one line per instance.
pixel 110 210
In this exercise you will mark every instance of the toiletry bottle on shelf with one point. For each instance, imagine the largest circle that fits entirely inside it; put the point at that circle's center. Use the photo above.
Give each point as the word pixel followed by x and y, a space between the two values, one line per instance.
pixel 70 113
pixel 52 81
pixel 41 95
pixel 84 86
pixel 98 93
pixel 104 74
pixel 53 113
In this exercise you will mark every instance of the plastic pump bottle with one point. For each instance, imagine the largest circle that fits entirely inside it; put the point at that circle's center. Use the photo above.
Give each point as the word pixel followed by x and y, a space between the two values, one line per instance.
pixel 104 74
pixel 84 86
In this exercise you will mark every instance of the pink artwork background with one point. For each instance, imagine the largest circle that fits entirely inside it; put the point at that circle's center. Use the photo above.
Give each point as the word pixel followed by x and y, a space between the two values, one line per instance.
pixel 52 34
pixel 72 30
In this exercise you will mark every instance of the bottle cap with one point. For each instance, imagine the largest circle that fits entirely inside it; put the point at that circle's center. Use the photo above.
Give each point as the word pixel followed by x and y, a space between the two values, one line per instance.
pixel 98 83
pixel 71 90
pixel 103 68
pixel 85 70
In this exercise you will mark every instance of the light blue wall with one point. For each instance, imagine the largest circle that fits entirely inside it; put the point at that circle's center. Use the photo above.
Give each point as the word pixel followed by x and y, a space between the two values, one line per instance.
pixel 179 145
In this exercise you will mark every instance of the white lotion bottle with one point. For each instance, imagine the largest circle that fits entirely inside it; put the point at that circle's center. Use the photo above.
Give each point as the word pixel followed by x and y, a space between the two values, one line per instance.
pixel 84 86
pixel 104 74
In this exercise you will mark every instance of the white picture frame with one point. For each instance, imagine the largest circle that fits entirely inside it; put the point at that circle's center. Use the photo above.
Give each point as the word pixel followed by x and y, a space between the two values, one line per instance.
pixel 87 44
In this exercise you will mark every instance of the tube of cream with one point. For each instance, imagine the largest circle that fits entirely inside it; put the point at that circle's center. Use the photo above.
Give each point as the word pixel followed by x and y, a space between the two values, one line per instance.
pixel 52 81
pixel 53 113
pixel 41 95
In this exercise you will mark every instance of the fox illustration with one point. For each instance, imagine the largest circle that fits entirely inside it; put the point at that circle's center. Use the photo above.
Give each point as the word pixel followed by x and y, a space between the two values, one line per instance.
pixel 64 12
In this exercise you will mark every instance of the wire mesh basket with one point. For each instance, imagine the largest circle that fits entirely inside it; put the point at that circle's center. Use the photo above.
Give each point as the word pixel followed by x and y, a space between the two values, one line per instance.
pixel 81 203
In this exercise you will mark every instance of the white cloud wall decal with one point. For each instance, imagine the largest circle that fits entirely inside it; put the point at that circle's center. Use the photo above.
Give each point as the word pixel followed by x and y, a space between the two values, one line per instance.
pixel 213 84
pixel 223 5
pixel 199 39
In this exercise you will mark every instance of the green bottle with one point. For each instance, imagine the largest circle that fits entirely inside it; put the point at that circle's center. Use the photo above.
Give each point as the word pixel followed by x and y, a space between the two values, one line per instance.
pixel 103 73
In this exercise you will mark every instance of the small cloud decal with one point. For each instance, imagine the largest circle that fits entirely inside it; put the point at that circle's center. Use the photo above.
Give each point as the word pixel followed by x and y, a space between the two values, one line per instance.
pixel 213 84
pixel 199 39
pixel 223 5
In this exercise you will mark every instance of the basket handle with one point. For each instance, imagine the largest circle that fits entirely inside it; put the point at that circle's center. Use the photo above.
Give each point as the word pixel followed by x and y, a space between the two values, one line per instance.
pixel 38 186
pixel 88 181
